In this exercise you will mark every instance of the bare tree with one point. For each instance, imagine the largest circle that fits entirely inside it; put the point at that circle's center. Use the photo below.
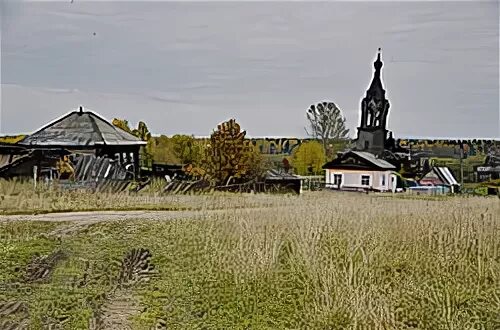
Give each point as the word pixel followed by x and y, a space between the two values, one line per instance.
pixel 326 123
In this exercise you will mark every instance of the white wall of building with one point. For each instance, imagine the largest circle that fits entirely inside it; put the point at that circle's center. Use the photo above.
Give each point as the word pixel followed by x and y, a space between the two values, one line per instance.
pixel 378 180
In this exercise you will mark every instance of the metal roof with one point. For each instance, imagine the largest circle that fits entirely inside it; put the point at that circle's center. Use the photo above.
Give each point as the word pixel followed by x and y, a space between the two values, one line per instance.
pixel 374 160
pixel 445 175
pixel 276 175
pixel 80 129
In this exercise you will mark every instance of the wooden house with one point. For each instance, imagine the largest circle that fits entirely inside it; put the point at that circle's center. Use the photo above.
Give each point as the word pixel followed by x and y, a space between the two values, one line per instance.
pixel 85 132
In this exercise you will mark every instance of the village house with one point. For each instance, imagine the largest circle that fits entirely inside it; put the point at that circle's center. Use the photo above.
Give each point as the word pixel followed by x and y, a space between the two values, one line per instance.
pixel 10 156
pixel 441 179
pixel 360 170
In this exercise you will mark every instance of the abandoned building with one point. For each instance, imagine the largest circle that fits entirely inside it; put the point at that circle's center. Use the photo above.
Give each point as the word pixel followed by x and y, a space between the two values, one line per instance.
pixel 76 134
pixel 360 170
pixel 10 158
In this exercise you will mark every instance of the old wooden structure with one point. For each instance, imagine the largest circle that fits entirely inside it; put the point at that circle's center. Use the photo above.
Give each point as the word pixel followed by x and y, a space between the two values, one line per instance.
pixel 84 132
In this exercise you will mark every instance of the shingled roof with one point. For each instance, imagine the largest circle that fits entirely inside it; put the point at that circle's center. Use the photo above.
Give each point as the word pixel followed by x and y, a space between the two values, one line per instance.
pixel 80 129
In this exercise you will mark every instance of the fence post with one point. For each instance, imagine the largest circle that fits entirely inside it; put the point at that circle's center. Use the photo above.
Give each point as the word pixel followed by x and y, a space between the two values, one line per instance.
pixel 35 175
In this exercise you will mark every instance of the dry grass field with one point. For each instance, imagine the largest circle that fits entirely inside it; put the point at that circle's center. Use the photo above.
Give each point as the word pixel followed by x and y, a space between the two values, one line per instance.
pixel 322 260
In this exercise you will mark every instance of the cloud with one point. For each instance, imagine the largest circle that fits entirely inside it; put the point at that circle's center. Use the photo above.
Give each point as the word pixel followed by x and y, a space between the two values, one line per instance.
pixel 186 66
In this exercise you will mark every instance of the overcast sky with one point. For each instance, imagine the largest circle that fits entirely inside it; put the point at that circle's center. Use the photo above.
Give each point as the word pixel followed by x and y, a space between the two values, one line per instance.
pixel 185 67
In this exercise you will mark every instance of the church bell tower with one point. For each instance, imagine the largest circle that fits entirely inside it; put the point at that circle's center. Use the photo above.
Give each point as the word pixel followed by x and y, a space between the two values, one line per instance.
pixel 372 132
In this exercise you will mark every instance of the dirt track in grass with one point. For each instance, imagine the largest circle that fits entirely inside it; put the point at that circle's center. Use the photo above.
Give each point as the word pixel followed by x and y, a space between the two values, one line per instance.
pixel 90 217
pixel 98 216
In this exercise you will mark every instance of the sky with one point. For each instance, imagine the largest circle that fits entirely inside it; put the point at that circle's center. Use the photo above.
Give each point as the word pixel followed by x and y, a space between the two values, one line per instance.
pixel 184 67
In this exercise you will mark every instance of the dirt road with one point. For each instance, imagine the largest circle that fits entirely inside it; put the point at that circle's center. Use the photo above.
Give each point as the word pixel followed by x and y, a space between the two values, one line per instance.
pixel 76 221
pixel 98 216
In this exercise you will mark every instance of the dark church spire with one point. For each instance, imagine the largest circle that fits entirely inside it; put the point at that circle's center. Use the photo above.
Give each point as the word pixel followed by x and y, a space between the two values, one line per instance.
pixel 378 63
pixel 376 90
pixel 372 132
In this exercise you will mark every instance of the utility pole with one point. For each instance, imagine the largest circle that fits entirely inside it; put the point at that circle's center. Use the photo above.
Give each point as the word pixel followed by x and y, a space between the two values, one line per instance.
pixel 461 165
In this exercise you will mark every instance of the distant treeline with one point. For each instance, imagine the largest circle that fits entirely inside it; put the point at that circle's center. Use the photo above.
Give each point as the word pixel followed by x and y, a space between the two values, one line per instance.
pixel 444 147
pixel 162 145
pixel 471 147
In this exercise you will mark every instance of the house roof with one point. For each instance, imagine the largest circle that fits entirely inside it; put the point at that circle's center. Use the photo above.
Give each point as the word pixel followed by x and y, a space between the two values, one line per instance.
pixel 7 148
pixel 276 175
pixel 80 129
pixel 368 159
pixel 442 173
pixel 374 160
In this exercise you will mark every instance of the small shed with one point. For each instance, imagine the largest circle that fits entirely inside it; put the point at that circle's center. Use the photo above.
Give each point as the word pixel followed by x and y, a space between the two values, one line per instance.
pixel 283 180
pixel 442 177
pixel 360 170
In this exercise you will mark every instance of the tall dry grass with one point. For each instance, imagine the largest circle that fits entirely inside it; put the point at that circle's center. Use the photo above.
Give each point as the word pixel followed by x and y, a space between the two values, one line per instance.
pixel 322 260
pixel 335 261
pixel 21 196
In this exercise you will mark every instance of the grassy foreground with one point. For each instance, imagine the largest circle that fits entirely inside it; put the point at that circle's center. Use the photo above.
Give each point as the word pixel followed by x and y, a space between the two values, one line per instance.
pixel 318 261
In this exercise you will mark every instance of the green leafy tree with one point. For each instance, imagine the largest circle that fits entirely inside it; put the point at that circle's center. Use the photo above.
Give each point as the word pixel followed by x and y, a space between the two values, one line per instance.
pixel 259 163
pixel 162 150
pixel 229 155
pixel 309 158
pixel 142 132
pixel 187 149
pixel 326 124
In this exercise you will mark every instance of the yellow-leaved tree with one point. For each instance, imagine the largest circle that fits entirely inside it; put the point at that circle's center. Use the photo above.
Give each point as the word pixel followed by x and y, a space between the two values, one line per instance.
pixel 309 158
pixel 230 156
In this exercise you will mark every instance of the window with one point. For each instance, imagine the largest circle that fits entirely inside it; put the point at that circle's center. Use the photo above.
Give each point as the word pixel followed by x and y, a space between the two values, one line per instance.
pixel 382 180
pixel 337 179
pixel 365 180
pixel 367 144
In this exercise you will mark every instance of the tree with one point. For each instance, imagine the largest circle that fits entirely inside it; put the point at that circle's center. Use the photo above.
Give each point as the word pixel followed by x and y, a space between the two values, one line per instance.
pixel 309 158
pixel 187 149
pixel 259 163
pixel 123 124
pixel 162 150
pixel 327 124
pixel 229 154
pixel 142 132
